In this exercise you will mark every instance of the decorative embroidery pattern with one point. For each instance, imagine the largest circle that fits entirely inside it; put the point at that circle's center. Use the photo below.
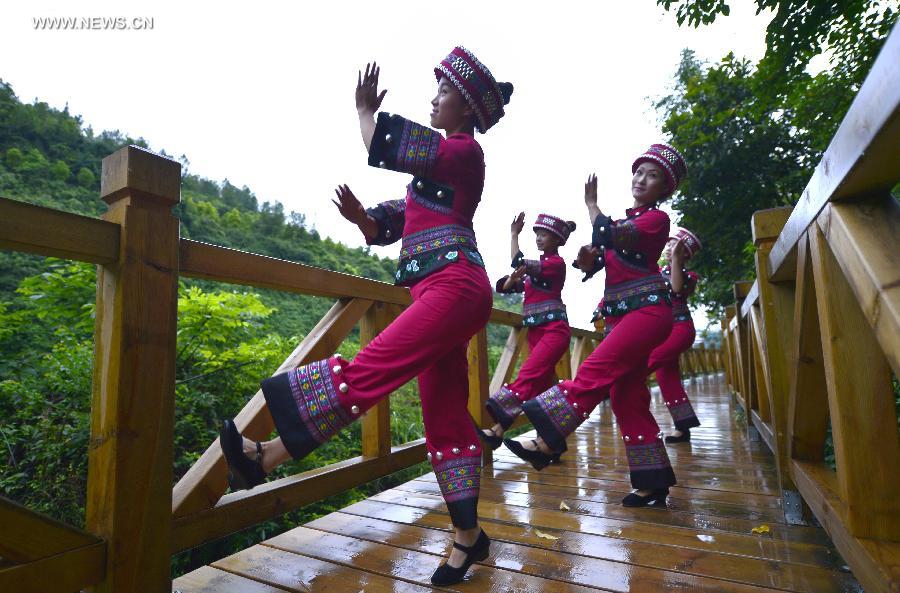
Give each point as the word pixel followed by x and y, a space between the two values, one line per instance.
pixel 625 235
pixel 507 403
pixel 647 456
pixel 390 217
pixel 680 312
pixel 558 410
pixel 431 249
pixel 313 389
pixel 458 478
pixel 543 312
pixel 417 149
pixel 423 199
pixel 532 266
pixel 682 411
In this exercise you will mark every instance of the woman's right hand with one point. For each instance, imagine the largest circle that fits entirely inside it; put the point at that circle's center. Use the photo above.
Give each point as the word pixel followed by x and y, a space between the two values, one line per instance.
pixel 590 191
pixel 518 224
pixel 587 256
pixel 349 207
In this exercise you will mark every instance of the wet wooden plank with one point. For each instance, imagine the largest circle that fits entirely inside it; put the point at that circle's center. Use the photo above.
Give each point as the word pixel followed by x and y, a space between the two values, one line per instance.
pixel 208 579
pixel 731 543
pixel 705 571
pixel 295 572
pixel 410 565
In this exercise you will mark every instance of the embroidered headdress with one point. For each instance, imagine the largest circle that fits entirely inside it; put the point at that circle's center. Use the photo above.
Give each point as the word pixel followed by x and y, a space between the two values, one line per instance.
pixel 557 226
pixel 691 242
pixel 477 85
pixel 669 159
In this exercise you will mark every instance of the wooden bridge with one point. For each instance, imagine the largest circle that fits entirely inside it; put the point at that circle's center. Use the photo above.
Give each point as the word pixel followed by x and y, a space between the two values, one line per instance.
pixel 813 340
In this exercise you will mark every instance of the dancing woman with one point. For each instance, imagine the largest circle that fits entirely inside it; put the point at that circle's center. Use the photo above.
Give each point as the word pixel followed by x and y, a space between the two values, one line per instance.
pixel 544 315
pixel 451 301
pixel 638 315
pixel 664 358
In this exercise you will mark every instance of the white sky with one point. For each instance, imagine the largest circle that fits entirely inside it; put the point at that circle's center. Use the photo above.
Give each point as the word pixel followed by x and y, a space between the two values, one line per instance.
pixel 262 93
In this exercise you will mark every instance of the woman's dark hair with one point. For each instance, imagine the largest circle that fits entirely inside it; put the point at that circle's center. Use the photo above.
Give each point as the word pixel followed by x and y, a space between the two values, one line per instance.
pixel 506 89
pixel 571 224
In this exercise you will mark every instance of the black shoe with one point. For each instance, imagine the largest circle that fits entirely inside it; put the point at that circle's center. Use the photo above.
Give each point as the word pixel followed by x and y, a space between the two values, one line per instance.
pixel 537 458
pixel 554 459
pixel 684 438
pixel 243 473
pixel 655 498
pixel 447 575
pixel 491 440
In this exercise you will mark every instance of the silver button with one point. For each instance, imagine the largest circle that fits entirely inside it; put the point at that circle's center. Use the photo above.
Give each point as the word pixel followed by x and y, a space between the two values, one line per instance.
pixel 354 409
pixel 473 448
pixel 382 164
pixel 336 369
pixel 455 450
pixel 603 229
pixel 575 405
pixel 585 415
pixel 343 387
pixel 440 193
pixel 627 438
pixel 439 455
pixel 640 437
pixel 428 455
pixel 388 138
pixel 420 185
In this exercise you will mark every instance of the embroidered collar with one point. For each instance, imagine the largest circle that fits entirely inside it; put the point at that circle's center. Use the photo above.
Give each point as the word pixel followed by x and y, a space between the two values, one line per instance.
pixel 635 212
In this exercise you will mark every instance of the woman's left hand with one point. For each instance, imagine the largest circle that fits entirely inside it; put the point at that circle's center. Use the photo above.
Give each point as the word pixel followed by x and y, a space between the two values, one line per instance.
pixel 368 99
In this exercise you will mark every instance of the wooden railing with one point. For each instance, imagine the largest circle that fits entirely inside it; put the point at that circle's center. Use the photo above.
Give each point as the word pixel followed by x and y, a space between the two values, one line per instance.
pixel 135 520
pixel 816 337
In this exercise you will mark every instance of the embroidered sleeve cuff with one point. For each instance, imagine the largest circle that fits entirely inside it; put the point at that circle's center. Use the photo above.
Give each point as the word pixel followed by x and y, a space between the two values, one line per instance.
pixel 602 235
pixel 518 260
pixel 516 287
pixel 390 217
pixel 401 145
pixel 532 267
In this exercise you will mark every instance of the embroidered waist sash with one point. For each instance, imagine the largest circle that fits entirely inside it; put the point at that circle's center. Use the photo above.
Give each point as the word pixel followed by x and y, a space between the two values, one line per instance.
pixel 543 312
pixel 427 251
pixel 620 299
pixel 681 312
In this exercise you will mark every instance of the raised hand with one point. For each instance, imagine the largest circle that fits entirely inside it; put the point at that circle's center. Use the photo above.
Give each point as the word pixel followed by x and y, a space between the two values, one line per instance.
pixel 590 191
pixel 517 274
pixel 349 207
pixel 586 257
pixel 518 224
pixel 678 252
pixel 368 99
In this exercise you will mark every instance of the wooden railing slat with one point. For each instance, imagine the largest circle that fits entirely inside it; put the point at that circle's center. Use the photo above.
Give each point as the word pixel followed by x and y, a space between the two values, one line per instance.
pixel 45 231
pixel 202 486
pixel 860 401
pixel 27 535
pixel 72 570
pixel 243 509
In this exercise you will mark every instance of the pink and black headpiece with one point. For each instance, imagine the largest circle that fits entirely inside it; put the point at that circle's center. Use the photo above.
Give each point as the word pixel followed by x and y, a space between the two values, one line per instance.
pixel 557 226
pixel 477 85
pixel 669 159
pixel 691 242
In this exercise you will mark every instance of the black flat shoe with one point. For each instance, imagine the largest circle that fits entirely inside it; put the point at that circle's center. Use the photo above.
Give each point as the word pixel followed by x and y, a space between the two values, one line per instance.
pixel 243 473
pixel 447 575
pixel 491 440
pixel 684 438
pixel 655 498
pixel 537 458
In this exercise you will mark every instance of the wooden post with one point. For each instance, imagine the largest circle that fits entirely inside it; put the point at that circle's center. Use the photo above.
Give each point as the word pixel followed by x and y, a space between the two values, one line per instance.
pixel 130 456
pixel 776 304
pixel 376 423
pixel 479 389
pixel 860 402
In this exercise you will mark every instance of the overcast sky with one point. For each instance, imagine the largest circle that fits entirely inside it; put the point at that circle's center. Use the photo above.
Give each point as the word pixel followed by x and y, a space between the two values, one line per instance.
pixel 261 93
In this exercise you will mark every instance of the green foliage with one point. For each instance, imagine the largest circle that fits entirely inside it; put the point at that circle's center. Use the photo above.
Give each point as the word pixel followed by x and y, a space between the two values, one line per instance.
pixel 752 134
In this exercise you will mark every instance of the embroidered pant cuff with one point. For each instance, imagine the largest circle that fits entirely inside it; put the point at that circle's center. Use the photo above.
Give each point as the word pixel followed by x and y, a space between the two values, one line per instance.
pixel 683 415
pixel 504 407
pixel 459 480
pixel 553 417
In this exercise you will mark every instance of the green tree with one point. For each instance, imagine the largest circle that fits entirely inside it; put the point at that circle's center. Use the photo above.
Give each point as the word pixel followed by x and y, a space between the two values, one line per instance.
pixel 86 178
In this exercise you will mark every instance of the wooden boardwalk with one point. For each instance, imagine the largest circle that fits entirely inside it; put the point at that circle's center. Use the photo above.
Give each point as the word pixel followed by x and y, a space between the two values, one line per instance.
pixel 704 542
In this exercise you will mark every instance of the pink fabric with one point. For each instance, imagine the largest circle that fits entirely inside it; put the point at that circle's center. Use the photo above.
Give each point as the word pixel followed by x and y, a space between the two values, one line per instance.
pixel 645 230
pixel 551 268
pixel 428 340
pixel 664 361
pixel 617 368
pixel 547 344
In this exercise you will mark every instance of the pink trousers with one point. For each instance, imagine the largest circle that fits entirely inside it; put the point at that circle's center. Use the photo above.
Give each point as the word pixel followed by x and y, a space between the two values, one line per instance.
pixel 664 362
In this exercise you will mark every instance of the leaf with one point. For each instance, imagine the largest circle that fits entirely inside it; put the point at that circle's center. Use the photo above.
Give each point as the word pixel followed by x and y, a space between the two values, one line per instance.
pixel 540 533
pixel 760 529
pixel 563 506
